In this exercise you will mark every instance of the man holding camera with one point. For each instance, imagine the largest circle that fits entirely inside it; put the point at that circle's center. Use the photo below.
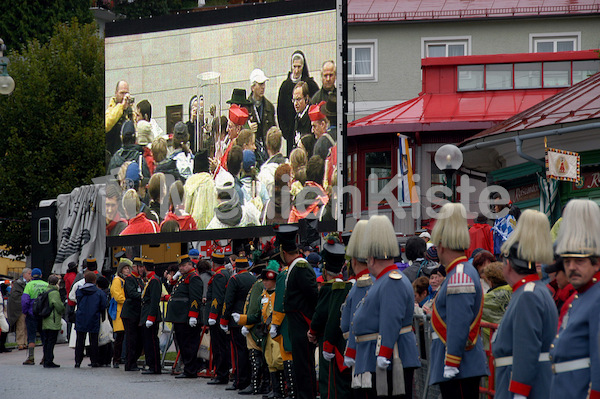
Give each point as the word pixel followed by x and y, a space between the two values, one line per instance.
pixel 119 109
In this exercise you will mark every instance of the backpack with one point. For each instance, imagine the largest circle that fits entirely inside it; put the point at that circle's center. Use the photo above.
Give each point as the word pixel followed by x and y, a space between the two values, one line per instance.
pixel 41 305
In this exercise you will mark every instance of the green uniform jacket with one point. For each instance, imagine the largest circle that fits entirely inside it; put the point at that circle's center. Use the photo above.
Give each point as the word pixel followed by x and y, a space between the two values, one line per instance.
pixel 216 292
pixel 279 313
pixel 333 338
pixel 186 298
pixel 301 292
pixel 319 319
pixel 132 307
pixel 54 321
pixel 151 300
pixel 252 317
pixel 236 292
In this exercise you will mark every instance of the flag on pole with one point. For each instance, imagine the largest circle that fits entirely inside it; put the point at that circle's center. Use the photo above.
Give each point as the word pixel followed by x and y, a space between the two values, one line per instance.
pixel 562 165
pixel 549 197
pixel 406 192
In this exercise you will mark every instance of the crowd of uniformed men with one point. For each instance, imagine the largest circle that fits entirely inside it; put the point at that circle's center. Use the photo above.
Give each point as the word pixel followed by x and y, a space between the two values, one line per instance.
pixel 267 325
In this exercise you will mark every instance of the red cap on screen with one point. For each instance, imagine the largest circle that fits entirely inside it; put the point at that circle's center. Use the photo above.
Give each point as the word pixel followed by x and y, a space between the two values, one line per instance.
pixel 237 114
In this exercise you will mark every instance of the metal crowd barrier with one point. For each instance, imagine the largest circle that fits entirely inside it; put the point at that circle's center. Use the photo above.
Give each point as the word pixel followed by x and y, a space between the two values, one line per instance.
pixel 421 388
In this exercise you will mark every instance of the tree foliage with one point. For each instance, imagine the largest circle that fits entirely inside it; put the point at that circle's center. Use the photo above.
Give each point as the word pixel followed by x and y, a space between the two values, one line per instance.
pixel 141 9
pixel 51 126
pixel 25 20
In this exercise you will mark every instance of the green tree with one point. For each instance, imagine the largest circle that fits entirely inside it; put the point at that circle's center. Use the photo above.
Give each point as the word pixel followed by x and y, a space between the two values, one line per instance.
pixel 141 9
pixel 51 126
pixel 25 20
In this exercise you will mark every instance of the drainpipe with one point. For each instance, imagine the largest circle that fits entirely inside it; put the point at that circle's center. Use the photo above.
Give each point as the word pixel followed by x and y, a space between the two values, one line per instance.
pixel 527 157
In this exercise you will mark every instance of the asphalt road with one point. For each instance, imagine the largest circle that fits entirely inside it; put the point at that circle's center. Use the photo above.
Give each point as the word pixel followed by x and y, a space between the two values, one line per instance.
pixel 33 382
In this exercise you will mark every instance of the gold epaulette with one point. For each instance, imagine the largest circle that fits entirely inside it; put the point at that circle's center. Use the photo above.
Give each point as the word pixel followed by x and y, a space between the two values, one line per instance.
pixel 365 281
pixel 338 285
pixel 395 275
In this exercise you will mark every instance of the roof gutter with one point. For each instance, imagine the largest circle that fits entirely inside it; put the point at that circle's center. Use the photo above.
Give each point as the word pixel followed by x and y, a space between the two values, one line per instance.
pixel 519 138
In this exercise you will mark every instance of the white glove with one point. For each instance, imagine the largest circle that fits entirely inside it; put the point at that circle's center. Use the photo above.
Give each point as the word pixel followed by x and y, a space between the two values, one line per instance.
pixel 193 322
pixel 328 356
pixel 149 323
pixel 176 276
pixel 349 362
pixel 273 331
pixel 253 126
pixel 245 331
pixel 383 362
pixel 519 396
pixel 450 372
pixel 224 327
pixel 212 322
pixel 235 317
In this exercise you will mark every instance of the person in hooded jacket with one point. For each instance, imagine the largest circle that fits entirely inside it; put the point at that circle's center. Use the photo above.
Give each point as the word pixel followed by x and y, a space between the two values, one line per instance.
pixel 130 151
pixel 52 324
pixel 285 107
pixel 91 303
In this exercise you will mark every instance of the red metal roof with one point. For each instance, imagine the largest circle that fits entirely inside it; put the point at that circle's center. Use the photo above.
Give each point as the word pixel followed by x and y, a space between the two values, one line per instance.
pixel 361 11
pixel 451 111
pixel 577 103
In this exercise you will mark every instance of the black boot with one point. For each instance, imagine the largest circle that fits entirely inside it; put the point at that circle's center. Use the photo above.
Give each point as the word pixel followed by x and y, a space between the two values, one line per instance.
pixel 265 378
pixel 3 348
pixel 251 389
pixel 289 379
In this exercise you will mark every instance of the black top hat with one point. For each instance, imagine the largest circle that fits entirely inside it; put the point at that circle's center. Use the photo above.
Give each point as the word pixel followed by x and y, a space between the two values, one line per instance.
pixel 286 236
pixel 241 262
pixel 238 96
pixel 333 256
pixel 329 109
pixel 346 237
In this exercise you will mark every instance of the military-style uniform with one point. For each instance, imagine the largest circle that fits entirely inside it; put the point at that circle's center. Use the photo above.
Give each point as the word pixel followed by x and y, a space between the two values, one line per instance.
pixel 283 339
pixel 356 294
pixel 317 328
pixel 132 309
pixel 340 376
pixel 219 341
pixel 299 302
pixel 184 304
pixel 382 326
pixel 523 340
pixel 456 316
pixel 236 292
pixel 151 312
pixel 575 353
pixel 255 340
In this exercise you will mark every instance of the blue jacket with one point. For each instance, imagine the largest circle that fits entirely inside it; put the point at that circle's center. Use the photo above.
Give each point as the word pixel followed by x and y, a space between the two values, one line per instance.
pixel 578 339
pixel 503 228
pixel 456 317
pixel 385 309
pixel 364 281
pixel 91 303
pixel 527 330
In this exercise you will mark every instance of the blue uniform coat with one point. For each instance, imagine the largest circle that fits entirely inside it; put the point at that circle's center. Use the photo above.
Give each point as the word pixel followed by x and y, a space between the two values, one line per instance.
pixel 578 339
pixel 527 329
pixel 385 309
pixel 456 318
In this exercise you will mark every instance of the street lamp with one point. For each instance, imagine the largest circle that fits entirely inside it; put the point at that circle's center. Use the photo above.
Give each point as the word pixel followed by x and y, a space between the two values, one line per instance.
pixel 7 84
pixel 449 158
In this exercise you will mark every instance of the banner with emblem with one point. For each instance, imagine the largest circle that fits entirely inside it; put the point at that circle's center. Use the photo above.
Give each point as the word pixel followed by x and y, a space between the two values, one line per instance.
pixel 562 165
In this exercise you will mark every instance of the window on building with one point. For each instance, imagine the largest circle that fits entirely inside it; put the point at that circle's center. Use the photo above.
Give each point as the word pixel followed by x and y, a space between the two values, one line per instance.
pixel 44 230
pixel 361 60
pixel 450 46
pixel 557 74
pixel 584 69
pixel 528 75
pixel 554 42
pixel 380 164
pixel 470 77
pixel 498 76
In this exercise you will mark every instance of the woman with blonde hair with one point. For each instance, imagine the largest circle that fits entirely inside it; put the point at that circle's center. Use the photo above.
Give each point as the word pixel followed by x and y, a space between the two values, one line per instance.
pixel 528 327
pixel 137 223
pixel 298 161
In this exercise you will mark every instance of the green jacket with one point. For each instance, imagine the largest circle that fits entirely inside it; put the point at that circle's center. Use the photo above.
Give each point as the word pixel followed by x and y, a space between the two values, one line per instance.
pixel 54 321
